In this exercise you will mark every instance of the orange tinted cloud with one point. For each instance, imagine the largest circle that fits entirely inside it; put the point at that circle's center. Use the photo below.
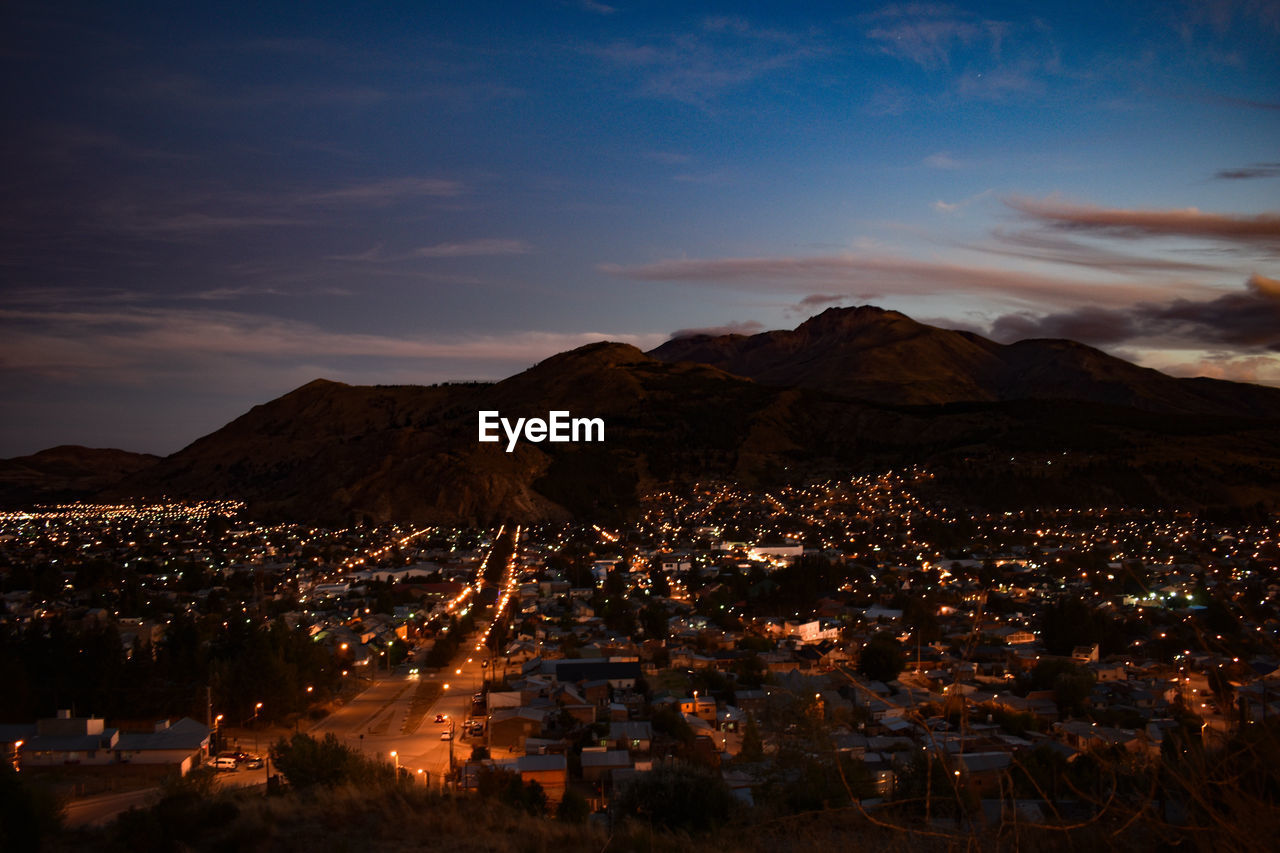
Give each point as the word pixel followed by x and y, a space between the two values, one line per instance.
pixel 1187 222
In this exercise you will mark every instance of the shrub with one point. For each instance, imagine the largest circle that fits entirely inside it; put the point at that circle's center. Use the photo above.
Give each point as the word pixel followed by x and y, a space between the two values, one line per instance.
pixel 681 797
pixel 306 762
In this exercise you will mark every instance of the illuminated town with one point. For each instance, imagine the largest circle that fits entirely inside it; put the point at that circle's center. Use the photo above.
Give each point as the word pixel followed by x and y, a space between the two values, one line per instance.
pixel 843 642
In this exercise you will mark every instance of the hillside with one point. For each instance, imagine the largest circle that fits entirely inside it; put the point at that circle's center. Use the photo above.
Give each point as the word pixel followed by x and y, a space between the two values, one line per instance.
pixel 329 451
pixel 65 473
pixel 872 354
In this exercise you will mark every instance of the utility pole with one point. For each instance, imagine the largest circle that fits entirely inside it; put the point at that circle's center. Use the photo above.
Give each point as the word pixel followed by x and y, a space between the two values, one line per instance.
pixel 453 727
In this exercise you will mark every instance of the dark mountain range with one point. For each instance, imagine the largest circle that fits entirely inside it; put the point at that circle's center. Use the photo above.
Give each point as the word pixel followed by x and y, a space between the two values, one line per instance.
pixel 1040 423
pixel 872 354
pixel 1037 423
pixel 65 473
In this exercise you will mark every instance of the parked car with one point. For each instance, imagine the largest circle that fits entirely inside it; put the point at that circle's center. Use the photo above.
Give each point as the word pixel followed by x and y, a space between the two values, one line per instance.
pixel 225 762
pixel 253 762
pixel 447 734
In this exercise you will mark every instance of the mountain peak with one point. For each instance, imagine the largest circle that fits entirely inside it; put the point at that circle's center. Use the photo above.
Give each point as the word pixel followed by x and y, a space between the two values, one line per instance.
pixel 874 354
pixel 855 314
pixel 319 385
pixel 860 322
pixel 594 356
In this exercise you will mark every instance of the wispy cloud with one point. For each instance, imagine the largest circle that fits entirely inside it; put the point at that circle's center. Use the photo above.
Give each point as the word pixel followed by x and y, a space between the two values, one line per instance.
pixel 1218 18
pixel 814 300
pixel 928 34
pixel 597 8
pixel 1257 170
pixel 942 160
pixel 387 191
pixel 473 248
pixel 171 215
pixel 956 206
pixel 193 93
pixel 1188 222
pixel 1245 320
pixel 867 276
pixel 697 67
pixel 141 223
pixel 1057 248
pixel 1002 83
pixel 749 327
pixel 966 57
pixel 1260 369
pixel 128 344
pixel 483 247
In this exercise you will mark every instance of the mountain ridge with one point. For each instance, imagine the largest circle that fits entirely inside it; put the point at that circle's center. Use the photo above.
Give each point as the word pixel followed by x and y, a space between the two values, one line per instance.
pixel 870 353
pixel 329 451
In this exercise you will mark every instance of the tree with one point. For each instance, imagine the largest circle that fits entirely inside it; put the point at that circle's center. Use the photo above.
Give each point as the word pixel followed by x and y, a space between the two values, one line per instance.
pixel 653 618
pixel 752 746
pixel 27 814
pixel 882 658
pixel 1070 682
pixel 507 787
pixel 573 807
pixel 677 797
pixel 306 762
pixel 1223 690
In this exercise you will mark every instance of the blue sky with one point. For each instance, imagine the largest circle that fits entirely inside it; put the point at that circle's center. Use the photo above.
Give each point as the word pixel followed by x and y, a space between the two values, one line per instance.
pixel 205 208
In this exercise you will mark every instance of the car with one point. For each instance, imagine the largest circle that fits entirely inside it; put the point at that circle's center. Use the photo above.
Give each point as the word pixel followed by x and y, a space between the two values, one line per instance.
pixel 253 762
pixel 442 718
pixel 447 734
pixel 225 762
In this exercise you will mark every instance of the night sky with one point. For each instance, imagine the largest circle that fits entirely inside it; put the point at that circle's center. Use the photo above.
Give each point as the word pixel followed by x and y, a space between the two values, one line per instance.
pixel 204 208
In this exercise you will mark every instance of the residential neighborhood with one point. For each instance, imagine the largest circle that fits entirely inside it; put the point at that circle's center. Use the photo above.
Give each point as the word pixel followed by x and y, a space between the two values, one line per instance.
pixel 755 636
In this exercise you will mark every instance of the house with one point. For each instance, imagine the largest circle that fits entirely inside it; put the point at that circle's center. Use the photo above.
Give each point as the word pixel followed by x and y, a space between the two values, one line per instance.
pixel 621 674
pixel 509 727
pixel 598 764
pixel 550 771
pixel 983 770
pixel 632 736
pixel 66 740
pixel 1084 736
pixel 178 745
pixel 1110 672
pixel 702 707
pixel 1085 654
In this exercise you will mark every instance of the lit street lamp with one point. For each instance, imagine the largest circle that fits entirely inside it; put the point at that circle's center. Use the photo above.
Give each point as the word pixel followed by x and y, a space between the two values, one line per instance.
pixel 256 709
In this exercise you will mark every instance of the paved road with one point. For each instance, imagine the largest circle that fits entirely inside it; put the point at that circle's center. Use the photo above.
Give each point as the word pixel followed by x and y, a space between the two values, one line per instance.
pixel 99 809
pixel 378 721
pixel 380 713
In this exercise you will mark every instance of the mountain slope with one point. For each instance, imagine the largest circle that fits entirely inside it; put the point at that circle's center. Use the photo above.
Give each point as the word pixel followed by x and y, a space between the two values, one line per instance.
pixel 872 354
pixel 65 473
pixel 334 452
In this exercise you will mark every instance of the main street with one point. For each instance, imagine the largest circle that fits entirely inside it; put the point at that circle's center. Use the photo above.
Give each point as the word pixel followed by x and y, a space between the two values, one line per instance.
pixel 385 722
pixel 383 719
